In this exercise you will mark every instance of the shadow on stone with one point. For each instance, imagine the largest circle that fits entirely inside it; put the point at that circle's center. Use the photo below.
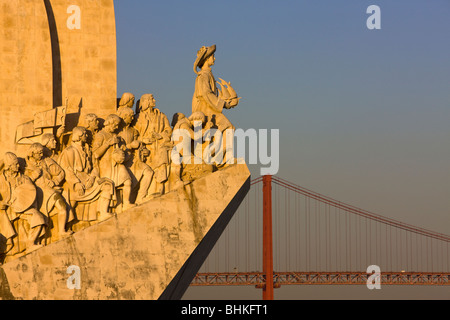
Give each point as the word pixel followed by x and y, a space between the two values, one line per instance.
pixel 56 55
pixel 178 286
pixel 5 292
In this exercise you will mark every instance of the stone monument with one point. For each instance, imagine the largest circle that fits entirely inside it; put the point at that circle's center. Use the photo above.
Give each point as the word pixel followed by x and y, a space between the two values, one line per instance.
pixel 92 205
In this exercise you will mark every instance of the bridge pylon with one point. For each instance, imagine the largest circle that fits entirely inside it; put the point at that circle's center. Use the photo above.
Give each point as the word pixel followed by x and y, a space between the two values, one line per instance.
pixel 267 238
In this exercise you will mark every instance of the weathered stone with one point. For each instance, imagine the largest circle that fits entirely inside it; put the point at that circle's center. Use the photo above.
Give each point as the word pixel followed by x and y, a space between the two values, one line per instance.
pixel 74 162
pixel 45 64
pixel 138 254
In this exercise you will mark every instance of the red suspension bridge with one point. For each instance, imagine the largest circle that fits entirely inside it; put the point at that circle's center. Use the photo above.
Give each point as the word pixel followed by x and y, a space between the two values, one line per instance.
pixel 296 236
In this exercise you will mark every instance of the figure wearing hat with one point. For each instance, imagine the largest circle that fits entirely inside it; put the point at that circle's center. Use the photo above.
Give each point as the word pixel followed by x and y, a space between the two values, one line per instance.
pixel 207 98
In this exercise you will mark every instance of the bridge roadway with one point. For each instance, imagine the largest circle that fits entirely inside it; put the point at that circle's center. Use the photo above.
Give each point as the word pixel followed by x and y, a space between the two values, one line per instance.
pixel 318 278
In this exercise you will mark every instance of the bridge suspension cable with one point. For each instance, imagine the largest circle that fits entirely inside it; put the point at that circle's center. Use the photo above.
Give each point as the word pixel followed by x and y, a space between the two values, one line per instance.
pixel 319 240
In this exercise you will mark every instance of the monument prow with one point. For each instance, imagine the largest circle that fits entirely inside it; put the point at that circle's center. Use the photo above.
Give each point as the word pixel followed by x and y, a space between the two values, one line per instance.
pixel 151 251
pixel 101 198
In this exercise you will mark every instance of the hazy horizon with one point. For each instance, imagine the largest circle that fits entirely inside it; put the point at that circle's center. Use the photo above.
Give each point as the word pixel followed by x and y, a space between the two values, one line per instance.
pixel 363 114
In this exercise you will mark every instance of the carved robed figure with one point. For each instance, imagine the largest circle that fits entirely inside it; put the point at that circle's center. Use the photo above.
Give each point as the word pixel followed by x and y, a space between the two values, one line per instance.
pixel 84 187
pixel 207 98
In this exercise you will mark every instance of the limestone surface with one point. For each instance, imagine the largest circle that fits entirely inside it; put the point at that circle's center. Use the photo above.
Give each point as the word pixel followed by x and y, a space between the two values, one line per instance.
pixel 137 254
pixel 55 53
pixel 101 198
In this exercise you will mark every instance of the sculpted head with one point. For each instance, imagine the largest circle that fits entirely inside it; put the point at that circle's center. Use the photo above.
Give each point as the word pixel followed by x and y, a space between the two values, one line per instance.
pixel 146 102
pixel 11 162
pixel 92 121
pixel 127 100
pixel 127 115
pixel 36 152
pixel 197 116
pixel 177 117
pixel 79 134
pixel 112 123
pixel 205 57
pixel 48 140
pixel 210 61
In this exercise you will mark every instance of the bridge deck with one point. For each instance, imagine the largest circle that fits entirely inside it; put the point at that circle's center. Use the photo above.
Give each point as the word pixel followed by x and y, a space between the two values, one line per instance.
pixel 319 278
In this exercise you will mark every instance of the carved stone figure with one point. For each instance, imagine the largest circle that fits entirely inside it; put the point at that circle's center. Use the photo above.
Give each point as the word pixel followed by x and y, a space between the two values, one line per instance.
pixel 155 131
pixel 207 97
pixel 106 141
pixel 128 133
pixel 92 127
pixel 18 199
pixel 137 156
pixel 197 166
pixel 7 232
pixel 180 122
pixel 143 174
pixel 48 176
pixel 85 189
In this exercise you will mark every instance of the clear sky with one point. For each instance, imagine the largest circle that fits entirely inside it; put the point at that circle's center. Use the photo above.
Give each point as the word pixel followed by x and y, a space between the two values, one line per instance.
pixel 363 114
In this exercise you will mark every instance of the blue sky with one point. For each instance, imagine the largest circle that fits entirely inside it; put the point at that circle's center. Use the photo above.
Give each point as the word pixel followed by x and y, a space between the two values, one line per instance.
pixel 363 114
